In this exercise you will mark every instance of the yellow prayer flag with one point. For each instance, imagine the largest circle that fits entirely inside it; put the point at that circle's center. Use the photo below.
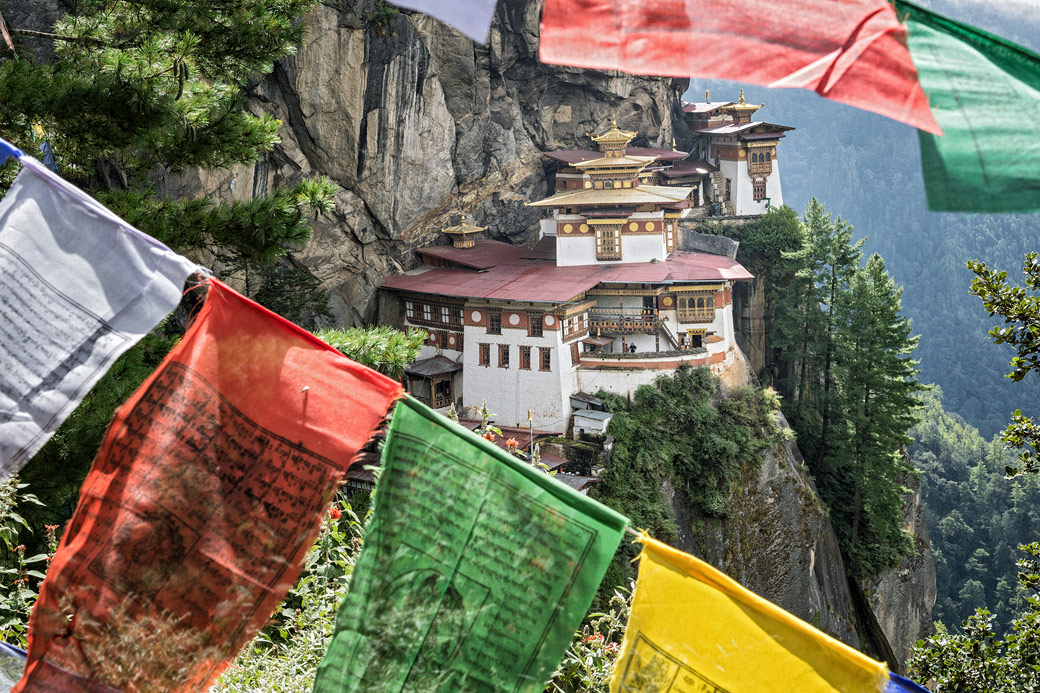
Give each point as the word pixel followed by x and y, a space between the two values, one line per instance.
pixel 695 630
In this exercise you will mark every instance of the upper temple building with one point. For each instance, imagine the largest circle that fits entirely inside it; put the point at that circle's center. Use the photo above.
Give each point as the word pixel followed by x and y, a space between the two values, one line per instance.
pixel 607 299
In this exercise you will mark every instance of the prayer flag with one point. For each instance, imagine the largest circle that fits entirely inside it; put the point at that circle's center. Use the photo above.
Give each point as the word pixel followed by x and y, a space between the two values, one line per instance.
pixel 901 684
pixel 471 17
pixel 476 571
pixel 78 287
pixel 985 93
pixel 853 51
pixel 207 492
pixel 692 628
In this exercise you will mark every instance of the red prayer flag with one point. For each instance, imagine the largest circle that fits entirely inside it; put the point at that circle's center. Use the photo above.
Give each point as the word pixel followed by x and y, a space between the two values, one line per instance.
pixel 852 51
pixel 207 492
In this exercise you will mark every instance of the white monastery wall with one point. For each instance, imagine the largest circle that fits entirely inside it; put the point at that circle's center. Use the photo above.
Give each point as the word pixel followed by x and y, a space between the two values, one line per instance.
pixel 642 248
pixel 511 391
pixel 576 250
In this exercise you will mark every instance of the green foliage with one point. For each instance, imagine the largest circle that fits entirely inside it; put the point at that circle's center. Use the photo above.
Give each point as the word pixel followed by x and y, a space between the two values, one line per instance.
pixel 152 81
pixel 1020 309
pixel 843 361
pixel 975 516
pixel 683 431
pixel 976 659
pixel 589 661
pixel 382 348
pixel 293 293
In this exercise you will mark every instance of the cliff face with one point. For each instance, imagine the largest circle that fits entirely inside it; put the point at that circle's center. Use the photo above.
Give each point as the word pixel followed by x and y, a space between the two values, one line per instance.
pixel 778 543
pixel 902 597
pixel 417 124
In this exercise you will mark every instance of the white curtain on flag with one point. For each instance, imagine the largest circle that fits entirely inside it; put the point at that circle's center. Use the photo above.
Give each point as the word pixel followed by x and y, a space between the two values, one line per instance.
pixel 78 287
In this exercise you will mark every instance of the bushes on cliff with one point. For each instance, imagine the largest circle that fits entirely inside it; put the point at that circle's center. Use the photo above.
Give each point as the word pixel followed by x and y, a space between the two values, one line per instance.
pixel 685 432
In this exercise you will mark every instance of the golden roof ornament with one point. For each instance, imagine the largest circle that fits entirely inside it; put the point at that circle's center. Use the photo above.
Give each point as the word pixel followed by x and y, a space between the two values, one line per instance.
pixel 463 235
pixel 707 96
pixel 614 139
pixel 743 105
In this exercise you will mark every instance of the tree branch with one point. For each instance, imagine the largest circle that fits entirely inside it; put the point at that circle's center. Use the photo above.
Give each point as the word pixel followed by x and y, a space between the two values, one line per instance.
pixel 57 37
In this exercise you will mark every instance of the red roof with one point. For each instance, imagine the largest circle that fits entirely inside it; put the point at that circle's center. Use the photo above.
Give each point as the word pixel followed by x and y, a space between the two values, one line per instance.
pixel 689 168
pixel 542 281
pixel 487 254
pixel 576 156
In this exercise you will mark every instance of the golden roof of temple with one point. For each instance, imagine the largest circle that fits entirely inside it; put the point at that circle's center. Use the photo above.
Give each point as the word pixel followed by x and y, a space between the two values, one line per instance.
pixel 463 228
pixel 743 105
pixel 614 137
pixel 637 163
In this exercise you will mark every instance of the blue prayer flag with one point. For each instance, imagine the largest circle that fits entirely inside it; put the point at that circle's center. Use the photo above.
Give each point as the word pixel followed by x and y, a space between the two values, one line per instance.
pixel 901 684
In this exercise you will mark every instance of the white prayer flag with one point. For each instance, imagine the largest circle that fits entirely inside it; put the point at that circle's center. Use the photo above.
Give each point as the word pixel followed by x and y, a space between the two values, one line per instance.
pixel 471 17
pixel 78 287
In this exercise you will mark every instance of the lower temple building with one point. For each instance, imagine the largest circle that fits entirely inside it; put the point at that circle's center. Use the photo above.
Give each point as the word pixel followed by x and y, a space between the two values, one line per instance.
pixel 605 301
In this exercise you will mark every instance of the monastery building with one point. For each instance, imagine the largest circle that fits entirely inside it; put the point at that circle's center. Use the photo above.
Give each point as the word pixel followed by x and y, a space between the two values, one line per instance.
pixel 607 299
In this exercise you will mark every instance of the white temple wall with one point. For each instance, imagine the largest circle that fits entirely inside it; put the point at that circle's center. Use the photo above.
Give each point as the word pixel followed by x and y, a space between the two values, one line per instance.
pixel 576 250
pixel 643 248
pixel 511 391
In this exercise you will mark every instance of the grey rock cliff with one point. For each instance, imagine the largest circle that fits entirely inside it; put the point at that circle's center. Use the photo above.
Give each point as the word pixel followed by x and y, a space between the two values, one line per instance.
pixel 778 543
pixel 416 124
pixel 902 597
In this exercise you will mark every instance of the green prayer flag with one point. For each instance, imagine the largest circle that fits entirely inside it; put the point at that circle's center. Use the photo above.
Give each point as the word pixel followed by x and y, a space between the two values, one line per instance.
pixel 476 571
pixel 985 94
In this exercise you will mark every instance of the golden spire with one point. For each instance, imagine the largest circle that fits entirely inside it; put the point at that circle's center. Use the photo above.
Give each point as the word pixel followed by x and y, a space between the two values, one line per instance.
pixel 741 97
pixel 707 95
pixel 464 234
pixel 614 139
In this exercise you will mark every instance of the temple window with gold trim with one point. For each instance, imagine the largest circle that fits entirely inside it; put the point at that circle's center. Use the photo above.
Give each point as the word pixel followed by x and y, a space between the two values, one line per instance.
pixel 608 242
pixel 696 308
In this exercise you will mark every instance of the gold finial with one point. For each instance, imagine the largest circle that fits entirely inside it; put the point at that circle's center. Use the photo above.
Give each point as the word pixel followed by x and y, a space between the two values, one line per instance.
pixel 463 219
pixel 741 97
pixel 613 122
pixel 707 95
pixel 673 144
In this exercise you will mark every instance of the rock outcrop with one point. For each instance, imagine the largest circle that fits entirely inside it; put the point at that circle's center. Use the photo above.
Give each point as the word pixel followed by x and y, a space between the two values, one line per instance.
pixel 416 123
pixel 778 542
pixel 902 597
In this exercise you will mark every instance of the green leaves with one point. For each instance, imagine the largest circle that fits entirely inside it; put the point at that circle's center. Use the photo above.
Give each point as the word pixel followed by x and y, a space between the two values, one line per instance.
pixel 976 659
pixel 1020 308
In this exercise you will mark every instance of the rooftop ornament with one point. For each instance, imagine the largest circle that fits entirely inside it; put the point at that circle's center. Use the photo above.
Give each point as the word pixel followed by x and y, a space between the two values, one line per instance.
pixel 464 235
pixel 614 141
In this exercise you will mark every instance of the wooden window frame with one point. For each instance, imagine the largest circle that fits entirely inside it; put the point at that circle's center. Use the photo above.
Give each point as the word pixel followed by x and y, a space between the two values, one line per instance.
pixel 758 190
pixel 503 356
pixel 545 358
pixel 494 324
pixel 535 325
pixel 702 308
pixel 608 242
pixel 575 353
pixel 525 357
pixel 484 354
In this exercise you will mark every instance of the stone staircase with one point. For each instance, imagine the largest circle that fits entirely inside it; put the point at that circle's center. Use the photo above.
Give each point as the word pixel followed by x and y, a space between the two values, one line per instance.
pixel 718 194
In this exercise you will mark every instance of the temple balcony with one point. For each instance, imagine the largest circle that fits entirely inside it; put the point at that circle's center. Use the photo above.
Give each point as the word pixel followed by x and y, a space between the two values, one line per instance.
pixel 624 320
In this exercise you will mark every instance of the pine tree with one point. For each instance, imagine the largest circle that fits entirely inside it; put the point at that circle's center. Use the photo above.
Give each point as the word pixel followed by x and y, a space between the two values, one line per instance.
pixel 875 379
pixel 138 89
pixel 144 87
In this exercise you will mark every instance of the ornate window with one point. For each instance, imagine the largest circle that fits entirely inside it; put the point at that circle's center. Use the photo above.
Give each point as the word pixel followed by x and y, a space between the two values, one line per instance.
pixel 546 359
pixel 525 358
pixel 534 325
pixel 503 356
pixel 758 190
pixel 494 322
pixel 608 242
pixel 697 308
pixel 409 310
pixel 485 355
